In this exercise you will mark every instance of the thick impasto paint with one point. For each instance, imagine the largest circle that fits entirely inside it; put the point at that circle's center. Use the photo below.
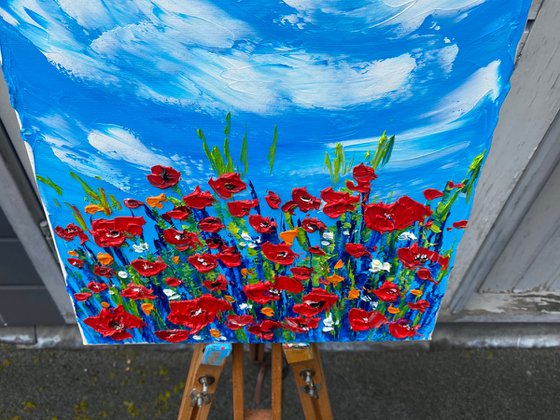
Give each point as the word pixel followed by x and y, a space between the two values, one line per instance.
pixel 255 170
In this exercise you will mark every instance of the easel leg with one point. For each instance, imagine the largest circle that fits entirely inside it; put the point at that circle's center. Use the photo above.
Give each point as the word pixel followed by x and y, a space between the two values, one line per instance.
pixel 205 369
pixel 277 381
pixel 308 374
pixel 238 376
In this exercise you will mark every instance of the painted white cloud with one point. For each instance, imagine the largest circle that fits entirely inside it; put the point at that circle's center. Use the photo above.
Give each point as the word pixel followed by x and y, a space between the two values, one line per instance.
pixel 449 113
pixel 119 144
pixel 406 15
pixel 194 54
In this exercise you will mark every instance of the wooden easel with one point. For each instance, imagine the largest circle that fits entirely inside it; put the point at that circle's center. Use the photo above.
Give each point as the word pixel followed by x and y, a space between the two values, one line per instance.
pixel 209 360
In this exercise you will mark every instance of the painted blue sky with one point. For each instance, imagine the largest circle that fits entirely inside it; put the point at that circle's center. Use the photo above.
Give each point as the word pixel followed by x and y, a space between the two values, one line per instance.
pixel 110 88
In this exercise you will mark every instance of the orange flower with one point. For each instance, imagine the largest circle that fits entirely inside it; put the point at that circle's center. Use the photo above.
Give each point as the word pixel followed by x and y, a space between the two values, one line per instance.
pixel 335 279
pixel 104 259
pixel 288 236
pixel 93 208
pixel 175 259
pixel 156 201
pixel 147 308
pixel 353 294
pixel 244 272
pixel 416 292
pixel 105 304
pixel 267 311
pixel 73 253
pixel 393 310
pixel 229 298
pixel 215 333
pixel 339 264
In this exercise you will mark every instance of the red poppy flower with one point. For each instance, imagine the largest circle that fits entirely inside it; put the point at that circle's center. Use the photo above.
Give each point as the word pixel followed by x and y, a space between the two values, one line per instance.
pixel 301 324
pixel 401 329
pixel 182 239
pixel 396 216
pixel 173 282
pixel 419 306
pixel 227 184
pixel 196 313
pixel 96 286
pixel 198 199
pixel 114 323
pixel 262 292
pixel 235 322
pixel 219 283
pixel 415 256
pixel 424 274
pixel 70 232
pixel 214 242
pixel 304 200
pixel 210 224
pixel 203 262
pixel 137 291
pixel 361 187
pixel 172 336
pixel 163 176
pixel 148 268
pixel 131 203
pixel 444 261
pixel 76 262
pixel 387 292
pixel 361 320
pixel 461 224
pixel 264 330
pixel 338 203
pixel 316 250
pixel 241 208
pixel 363 173
pixel 103 271
pixel 312 224
pixel 82 296
pixel 273 200
pixel 452 185
pixel 230 257
pixel 432 194
pixel 262 224
pixel 289 207
pixel 178 213
pixel 315 302
pixel 289 284
pixel 357 250
pixel 301 273
pixel 113 233
pixel 278 253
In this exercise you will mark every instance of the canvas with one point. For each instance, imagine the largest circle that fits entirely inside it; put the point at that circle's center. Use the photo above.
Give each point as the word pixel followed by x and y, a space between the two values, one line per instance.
pixel 249 171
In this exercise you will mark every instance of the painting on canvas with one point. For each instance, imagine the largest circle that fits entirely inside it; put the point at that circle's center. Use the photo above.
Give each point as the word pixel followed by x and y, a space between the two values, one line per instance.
pixel 249 171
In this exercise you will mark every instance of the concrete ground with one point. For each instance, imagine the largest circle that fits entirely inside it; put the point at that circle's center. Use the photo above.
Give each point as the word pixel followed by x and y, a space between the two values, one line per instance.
pixel 146 383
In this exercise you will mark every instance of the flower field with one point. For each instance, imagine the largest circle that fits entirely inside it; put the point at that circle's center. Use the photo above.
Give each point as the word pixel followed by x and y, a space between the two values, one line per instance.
pixel 221 262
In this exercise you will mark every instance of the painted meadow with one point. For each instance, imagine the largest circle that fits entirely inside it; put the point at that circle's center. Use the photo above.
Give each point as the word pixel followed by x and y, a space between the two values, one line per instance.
pixel 219 262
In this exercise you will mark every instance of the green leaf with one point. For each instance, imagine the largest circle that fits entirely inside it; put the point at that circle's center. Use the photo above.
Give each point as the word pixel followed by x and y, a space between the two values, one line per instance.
pixel 329 165
pixel 244 157
pixel 206 149
pixel 227 154
pixel 435 229
pixel 50 183
pixel 115 203
pixel 218 160
pixel 272 149
pixel 89 191
pixel 78 216
pixel 104 202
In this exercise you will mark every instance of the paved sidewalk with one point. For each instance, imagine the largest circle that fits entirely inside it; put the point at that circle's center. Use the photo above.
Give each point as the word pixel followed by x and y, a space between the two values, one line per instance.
pixel 146 383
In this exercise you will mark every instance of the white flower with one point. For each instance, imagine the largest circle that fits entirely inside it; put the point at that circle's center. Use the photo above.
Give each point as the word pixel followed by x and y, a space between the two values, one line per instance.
pixel 122 274
pixel 346 232
pixel 242 244
pixel 168 292
pixel 246 236
pixel 141 247
pixel 244 306
pixel 329 236
pixel 197 337
pixel 377 266
pixel 407 236
pixel 252 245
pixel 325 243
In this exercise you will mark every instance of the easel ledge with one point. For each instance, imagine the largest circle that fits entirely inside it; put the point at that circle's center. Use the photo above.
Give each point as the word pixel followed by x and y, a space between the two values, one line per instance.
pixel 207 364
